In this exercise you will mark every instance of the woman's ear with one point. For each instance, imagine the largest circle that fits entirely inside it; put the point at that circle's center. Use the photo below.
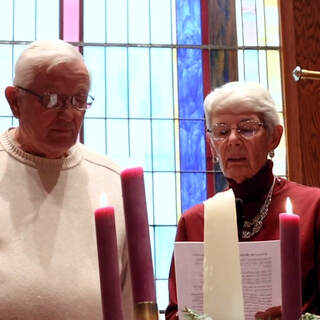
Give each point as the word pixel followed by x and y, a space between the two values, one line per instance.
pixel 211 146
pixel 12 98
pixel 276 135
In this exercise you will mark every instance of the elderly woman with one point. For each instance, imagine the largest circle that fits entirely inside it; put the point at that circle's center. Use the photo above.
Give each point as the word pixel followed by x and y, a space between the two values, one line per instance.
pixel 244 129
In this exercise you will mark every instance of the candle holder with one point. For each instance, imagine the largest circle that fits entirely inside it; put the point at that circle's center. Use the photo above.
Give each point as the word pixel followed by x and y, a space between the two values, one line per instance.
pixel 300 74
pixel 146 310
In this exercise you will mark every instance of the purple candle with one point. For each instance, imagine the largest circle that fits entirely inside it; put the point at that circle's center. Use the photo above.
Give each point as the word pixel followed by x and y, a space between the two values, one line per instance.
pixel 108 264
pixel 139 248
pixel 290 264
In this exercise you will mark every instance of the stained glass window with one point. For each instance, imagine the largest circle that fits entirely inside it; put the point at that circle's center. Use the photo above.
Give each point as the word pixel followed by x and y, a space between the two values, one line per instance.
pixel 152 62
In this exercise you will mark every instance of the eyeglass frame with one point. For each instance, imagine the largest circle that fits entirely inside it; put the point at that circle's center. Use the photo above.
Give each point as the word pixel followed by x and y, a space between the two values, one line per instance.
pixel 88 105
pixel 260 125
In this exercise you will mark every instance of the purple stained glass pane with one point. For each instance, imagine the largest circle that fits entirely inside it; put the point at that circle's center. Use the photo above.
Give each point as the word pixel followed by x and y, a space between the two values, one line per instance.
pixel 188 21
pixel 193 189
pixel 71 28
pixel 190 83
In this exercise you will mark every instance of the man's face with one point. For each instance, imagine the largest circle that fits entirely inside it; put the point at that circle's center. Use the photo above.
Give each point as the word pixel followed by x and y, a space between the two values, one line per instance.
pixel 51 133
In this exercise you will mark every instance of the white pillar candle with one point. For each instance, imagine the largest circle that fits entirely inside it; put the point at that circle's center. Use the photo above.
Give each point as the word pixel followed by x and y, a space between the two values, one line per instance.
pixel 223 298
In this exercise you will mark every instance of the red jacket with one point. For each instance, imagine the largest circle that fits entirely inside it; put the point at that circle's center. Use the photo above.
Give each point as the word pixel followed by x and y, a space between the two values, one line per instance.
pixel 306 203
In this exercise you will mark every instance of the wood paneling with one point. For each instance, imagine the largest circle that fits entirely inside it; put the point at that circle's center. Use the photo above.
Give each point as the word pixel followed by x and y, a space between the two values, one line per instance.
pixel 300 46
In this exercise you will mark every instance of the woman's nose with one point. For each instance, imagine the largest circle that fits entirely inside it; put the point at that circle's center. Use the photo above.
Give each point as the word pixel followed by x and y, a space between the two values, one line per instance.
pixel 234 136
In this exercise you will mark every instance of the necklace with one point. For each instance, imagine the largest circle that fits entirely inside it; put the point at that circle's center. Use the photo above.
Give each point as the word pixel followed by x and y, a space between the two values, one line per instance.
pixel 257 221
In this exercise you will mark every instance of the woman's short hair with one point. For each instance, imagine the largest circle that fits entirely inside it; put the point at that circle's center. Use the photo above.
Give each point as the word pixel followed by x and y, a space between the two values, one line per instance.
pixel 249 96
pixel 43 55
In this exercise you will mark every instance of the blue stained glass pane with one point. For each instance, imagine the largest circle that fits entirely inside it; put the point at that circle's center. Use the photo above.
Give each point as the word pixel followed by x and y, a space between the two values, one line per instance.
pixel 117 23
pixel 161 83
pixel 117 82
pixel 24 11
pixel 249 22
pixel 163 145
pixel 162 294
pixel 118 140
pixel 188 21
pixel 94 21
pixel 95 60
pixel 148 184
pixel 161 21
pixel 164 198
pixel 47 19
pixel 6 76
pixel 139 24
pixel 193 189
pixel 5 123
pixel 240 66
pixel 192 145
pixel 6 18
pixel 251 65
pixel 139 83
pixel 140 142
pixel 94 135
pixel 190 83
pixel 164 240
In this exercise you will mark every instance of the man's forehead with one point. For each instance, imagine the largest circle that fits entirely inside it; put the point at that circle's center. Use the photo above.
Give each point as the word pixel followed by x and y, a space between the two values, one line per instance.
pixel 62 79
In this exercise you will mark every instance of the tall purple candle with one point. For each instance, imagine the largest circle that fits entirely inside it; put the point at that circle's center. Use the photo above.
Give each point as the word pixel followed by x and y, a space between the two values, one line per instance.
pixel 108 264
pixel 290 264
pixel 139 248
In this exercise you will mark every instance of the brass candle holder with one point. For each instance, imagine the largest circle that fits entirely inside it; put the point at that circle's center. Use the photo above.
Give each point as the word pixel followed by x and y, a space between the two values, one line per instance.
pixel 147 310
pixel 299 74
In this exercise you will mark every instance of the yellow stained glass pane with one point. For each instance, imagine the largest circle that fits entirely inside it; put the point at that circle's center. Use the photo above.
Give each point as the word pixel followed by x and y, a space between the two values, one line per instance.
pixel 274 77
pixel 272 21
pixel 261 23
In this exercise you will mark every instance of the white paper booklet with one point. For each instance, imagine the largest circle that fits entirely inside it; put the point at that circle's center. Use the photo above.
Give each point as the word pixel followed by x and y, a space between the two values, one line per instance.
pixel 261 275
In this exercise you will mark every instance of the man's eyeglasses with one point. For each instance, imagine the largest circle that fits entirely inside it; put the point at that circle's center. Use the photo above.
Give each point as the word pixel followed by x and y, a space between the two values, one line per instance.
pixel 58 101
pixel 246 129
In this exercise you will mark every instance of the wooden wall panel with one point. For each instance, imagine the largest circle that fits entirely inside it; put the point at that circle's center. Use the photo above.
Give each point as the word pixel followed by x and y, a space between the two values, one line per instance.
pixel 300 46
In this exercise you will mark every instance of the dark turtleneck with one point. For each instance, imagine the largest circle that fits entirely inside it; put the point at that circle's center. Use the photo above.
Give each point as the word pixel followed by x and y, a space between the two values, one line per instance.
pixel 253 191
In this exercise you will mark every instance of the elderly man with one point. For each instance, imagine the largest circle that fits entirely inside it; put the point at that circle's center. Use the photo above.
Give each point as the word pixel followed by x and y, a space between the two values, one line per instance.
pixel 50 186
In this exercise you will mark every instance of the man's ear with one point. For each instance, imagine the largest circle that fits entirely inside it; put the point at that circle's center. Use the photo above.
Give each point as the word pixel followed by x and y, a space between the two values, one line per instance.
pixel 276 135
pixel 12 98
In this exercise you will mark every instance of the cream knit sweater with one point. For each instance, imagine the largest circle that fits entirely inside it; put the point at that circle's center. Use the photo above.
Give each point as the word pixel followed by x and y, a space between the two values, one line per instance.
pixel 48 253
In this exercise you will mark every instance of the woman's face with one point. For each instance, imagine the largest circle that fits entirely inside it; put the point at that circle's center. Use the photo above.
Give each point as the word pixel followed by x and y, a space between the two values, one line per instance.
pixel 242 157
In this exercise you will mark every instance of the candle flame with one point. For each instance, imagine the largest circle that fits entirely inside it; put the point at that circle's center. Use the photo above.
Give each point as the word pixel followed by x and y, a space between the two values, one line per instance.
pixel 288 205
pixel 103 200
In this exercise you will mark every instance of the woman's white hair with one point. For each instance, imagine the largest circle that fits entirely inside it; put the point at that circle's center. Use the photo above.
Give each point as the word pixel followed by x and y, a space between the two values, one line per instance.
pixel 242 96
pixel 43 55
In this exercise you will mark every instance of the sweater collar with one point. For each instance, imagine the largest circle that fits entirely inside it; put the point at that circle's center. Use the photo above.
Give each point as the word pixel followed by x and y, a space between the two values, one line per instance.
pixel 256 187
pixel 72 159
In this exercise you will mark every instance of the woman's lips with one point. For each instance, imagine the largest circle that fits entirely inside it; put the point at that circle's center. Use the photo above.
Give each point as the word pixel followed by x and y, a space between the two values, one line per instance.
pixel 235 160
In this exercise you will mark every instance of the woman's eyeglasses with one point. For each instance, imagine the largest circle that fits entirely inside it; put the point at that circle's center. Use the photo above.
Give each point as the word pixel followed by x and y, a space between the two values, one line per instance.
pixel 246 129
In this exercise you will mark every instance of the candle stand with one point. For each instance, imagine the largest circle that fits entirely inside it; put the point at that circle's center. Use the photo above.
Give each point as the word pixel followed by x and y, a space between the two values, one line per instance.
pixel 147 310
